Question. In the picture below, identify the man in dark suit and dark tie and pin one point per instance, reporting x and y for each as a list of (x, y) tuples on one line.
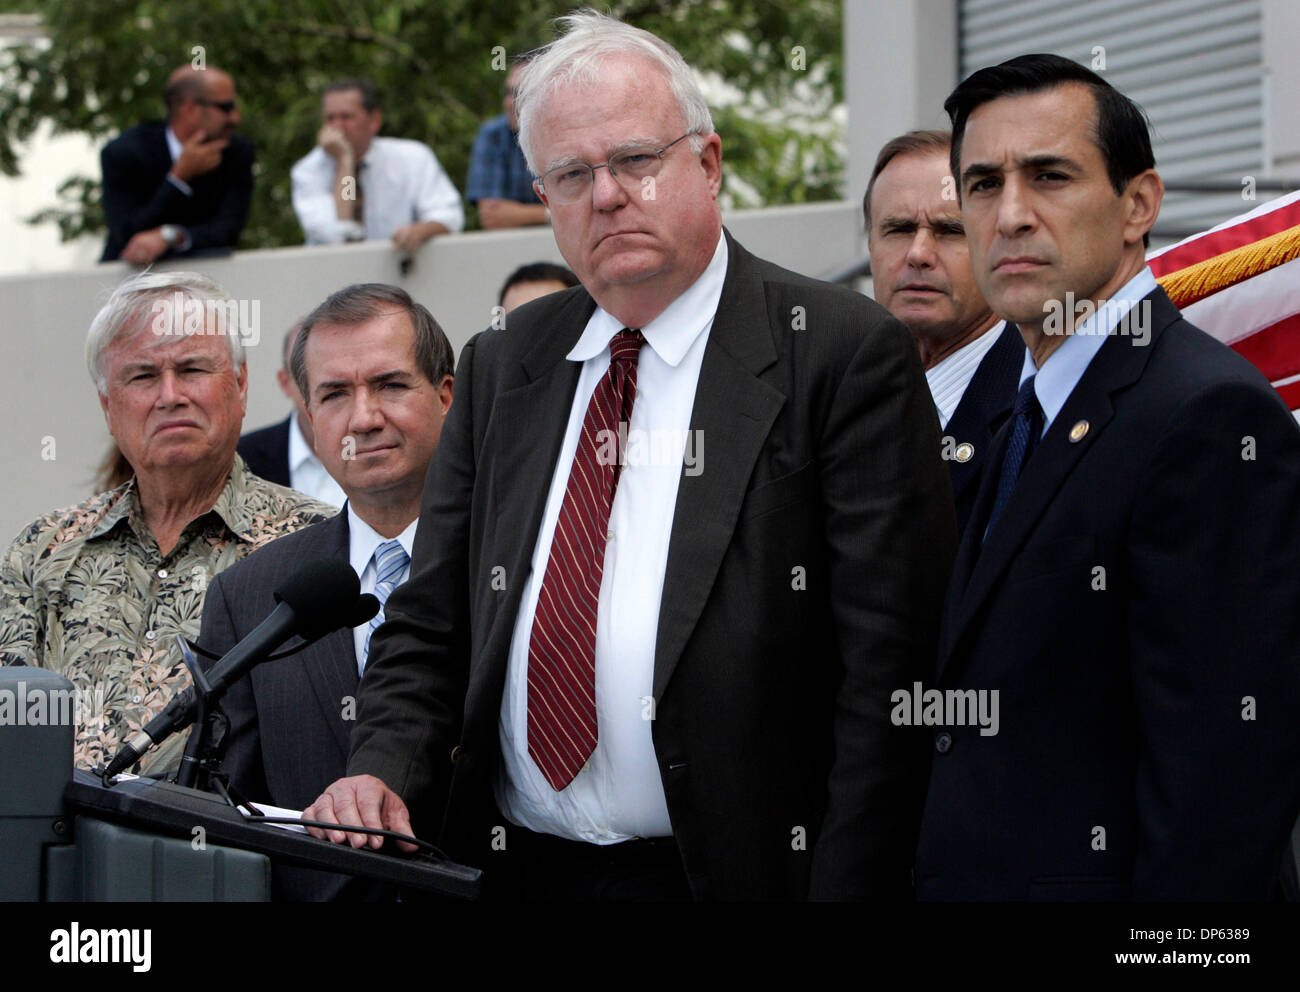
[(686, 528), (1124, 603), (921, 270), (376, 369), (184, 184)]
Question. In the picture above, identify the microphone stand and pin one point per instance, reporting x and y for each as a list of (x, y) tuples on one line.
[(207, 742)]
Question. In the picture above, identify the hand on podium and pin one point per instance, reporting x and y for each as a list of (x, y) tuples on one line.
[(360, 801)]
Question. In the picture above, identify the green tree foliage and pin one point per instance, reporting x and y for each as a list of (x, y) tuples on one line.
[(773, 71)]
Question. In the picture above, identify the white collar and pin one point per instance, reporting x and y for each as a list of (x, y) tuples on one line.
[(364, 539), (672, 333)]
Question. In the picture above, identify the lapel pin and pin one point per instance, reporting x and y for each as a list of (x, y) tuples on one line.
[(1079, 431), (965, 451)]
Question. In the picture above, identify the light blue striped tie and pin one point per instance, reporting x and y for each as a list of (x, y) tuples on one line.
[(390, 560)]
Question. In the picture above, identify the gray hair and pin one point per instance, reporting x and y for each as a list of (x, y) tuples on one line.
[(142, 297), (576, 57)]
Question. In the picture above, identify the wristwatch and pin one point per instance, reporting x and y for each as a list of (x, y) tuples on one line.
[(172, 234)]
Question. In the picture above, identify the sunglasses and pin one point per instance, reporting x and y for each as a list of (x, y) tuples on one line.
[(225, 106)]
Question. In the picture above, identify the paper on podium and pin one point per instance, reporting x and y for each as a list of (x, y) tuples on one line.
[(246, 813), (266, 810)]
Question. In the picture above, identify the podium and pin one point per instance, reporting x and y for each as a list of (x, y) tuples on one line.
[(67, 837)]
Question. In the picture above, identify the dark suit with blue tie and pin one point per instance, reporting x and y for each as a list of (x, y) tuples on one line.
[(1136, 606)]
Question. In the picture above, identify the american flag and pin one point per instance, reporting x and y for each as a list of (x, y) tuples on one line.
[(1240, 281)]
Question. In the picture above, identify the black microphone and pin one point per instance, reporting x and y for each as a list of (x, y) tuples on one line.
[(319, 597)]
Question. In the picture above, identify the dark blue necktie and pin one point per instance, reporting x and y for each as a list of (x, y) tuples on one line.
[(1025, 431)]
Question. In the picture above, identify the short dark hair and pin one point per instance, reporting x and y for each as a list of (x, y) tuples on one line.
[(911, 143), (1123, 132), (537, 272), (369, 93), (361, 302)]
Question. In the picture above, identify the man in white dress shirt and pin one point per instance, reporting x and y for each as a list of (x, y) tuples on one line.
[(375, 369), (922, 273), (657, 668), (356, 186)]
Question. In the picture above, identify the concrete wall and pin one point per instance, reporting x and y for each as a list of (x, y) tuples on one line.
[(54, 431), (900, 62)]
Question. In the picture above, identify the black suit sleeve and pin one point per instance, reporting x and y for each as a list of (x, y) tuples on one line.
[(218, 633), (413, 694), (130, 205), (1216, 650), (891, 534), (236, 176)]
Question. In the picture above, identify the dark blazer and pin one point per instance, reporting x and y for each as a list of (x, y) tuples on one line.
[(266, 452), (289, 722), (782, 772), (138, 197), (984, 407), (1136, 608)]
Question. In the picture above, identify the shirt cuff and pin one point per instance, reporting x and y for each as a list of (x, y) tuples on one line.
[(184, 187)]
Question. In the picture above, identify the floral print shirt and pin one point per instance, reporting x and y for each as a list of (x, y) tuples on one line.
[(86, 592)]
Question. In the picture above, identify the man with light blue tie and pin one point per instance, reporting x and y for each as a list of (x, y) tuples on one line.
[(375, 370)]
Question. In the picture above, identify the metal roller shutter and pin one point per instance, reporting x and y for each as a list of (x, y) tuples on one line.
[(1195, 66)]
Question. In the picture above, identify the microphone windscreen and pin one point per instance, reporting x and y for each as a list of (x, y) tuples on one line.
[(320, 593), (363, 610)]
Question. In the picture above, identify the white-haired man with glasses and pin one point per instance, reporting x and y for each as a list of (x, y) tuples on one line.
[(99, 591), (630, 669)]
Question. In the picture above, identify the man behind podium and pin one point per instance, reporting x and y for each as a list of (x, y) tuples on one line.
[(686, 527), (375, 369)]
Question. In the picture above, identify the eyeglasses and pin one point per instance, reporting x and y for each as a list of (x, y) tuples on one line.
[(570, 183), (225, 106)]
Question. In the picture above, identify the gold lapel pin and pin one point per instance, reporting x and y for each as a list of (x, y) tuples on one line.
[(1079, 431), (965, 452)]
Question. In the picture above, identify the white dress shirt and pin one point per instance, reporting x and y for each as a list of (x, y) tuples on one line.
[(174, 149), (306, 473), (949, 378), (401, 183), (618, 795), (362, 541)]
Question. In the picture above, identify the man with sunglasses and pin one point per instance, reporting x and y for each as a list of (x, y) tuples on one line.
[(686, 529), (182, 185)]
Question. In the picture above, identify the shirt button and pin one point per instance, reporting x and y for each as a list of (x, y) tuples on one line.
[(135, 699), (162, 573), (943, 742), (149, 635)]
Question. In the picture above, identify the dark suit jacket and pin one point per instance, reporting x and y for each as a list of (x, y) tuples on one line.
[(266, 452), (984, 407), (288, 733), (138, 197), (772, 715), (1148, 743)]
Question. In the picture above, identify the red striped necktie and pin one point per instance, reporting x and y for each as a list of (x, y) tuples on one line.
[(562, 649)]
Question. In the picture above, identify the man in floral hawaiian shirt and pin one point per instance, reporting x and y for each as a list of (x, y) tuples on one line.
[(99, 591)]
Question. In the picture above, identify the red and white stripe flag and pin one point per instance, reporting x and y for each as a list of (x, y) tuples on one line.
[(1240, 282)]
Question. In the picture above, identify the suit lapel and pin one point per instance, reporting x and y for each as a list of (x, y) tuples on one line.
[(734, 410), (1117, 365), (986, 404), (529, 418), (330, 665)]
